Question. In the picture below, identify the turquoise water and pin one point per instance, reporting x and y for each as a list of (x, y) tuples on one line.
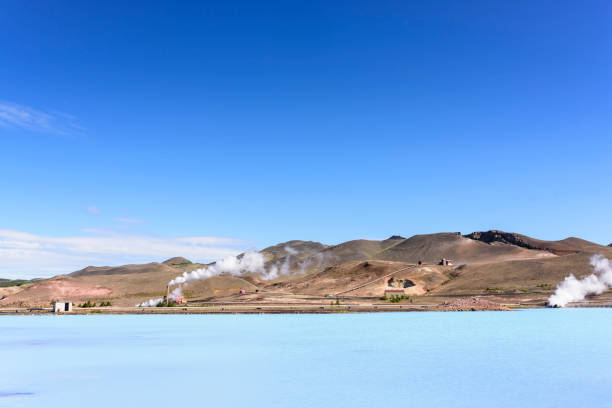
[(534, 358)]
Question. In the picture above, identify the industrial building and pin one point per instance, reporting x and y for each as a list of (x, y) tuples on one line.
[(62, 307)]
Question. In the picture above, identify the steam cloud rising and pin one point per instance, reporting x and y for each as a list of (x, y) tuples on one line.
[(250, 262), (574, 290)]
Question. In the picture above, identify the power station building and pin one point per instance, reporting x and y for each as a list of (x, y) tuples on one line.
[(62, 307)]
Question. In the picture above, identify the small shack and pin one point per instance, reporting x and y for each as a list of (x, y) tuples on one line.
[(62, 307), (446, 262)]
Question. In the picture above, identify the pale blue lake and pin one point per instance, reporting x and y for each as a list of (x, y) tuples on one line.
[(533, 358)]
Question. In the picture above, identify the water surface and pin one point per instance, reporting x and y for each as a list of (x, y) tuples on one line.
[(533, 358)]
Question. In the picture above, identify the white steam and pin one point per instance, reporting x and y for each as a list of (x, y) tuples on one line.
[(150, 303), (174, 295), (317, 260), (574, 290), (250, 262)]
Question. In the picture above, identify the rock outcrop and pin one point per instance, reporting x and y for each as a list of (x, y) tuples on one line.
[(501, 236)]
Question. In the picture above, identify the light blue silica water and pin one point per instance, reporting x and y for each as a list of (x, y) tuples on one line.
[(531, 358)]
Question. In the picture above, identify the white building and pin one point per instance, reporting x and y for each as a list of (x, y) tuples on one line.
[(62, 307)]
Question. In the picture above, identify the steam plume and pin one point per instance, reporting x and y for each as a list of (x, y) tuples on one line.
[(150, 303), (574, 290), (250, 262)]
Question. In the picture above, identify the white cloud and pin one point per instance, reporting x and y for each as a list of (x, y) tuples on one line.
[(23, 117), (93, 210), (29, 255)]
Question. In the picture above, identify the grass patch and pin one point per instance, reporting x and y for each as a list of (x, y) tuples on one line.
[(16, 282), (166, 304), (182, 263), (394, 298), (397, 299)]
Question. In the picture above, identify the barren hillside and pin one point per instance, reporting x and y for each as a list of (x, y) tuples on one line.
[(433, 247), (484, 263)]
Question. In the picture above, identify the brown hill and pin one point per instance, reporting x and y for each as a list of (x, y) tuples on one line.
[(433, 247), (122, 285), (565, 246), (299, 249), (177, 260), (517, 277), (492, 262), (217, 286), (293, 255), (350, 251), (122, 270), (368, 278)]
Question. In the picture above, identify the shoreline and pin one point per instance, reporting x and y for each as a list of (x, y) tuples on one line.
[(253, 309)]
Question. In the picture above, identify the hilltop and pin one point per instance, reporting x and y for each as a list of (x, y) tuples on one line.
[(496, 264)]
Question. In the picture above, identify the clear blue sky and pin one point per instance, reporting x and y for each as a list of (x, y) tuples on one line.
[(328, 121)]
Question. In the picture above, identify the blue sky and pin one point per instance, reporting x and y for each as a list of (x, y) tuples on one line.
[(209, 128)]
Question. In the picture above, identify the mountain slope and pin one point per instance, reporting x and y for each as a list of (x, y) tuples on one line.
[(516, 277), (366, 278), (565, 246), (490, 262), (121, 270), (433, 247)]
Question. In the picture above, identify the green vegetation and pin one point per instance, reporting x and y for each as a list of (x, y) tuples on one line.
[(394, 298), (87, 304), (164, 303), (96, 311), (17, 282), (107, 303), (398, 298), (546, 286), (182, 263), (452, 274), (495, 289)]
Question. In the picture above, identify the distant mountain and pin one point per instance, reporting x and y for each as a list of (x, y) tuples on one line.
[(432, 248), (177, 260), (296, 248), (120, 270), (483, 263), (292, 255)]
